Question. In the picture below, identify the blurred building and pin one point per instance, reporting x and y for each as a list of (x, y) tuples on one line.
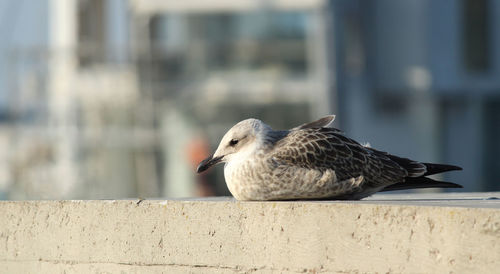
[(422, 79), (70, 102), (107, 99), (217, 62), (120, 98)]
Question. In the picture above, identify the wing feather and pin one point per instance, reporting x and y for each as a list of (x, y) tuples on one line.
[(326, 149), (323, 122)]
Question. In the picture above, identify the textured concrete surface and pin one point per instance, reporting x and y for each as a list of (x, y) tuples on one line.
[(423, 233)]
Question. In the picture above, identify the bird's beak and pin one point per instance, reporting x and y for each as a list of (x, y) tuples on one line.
[(207, 163)]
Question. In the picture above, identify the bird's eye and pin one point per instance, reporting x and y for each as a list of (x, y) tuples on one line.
[(233, 142)]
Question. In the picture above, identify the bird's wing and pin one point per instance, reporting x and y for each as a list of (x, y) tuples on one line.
[(323, 122), (326, 149)]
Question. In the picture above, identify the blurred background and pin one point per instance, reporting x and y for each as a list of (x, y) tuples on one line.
[(123, 98)]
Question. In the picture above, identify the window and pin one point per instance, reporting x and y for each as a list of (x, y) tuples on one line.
[(476, 35), (91, 32)]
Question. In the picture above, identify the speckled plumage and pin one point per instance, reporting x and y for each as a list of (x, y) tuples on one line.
[(310, 162)]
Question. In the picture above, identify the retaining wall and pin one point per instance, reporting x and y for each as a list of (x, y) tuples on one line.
[(457, 233)]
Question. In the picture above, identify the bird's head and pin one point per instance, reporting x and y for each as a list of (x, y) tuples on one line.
[(241, 138)]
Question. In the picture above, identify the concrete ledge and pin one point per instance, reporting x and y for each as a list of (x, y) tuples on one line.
[(384, 234)]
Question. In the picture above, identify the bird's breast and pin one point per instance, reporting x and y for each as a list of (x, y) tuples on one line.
[(246, 179)]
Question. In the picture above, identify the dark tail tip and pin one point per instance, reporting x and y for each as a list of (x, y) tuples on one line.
[(421, 182), (439, 168)]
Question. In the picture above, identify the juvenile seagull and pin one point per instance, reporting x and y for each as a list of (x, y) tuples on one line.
[(312, 161)]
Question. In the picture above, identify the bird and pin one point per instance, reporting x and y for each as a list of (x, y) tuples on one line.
[(312, 162)]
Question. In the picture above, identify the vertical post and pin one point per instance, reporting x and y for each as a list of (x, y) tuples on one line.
[(61, 65), (319, 50)]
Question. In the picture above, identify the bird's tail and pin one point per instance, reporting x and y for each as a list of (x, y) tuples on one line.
[(439, 168), (417, 173), (420, 182)]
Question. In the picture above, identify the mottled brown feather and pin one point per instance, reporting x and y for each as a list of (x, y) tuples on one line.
[(327, 149)]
